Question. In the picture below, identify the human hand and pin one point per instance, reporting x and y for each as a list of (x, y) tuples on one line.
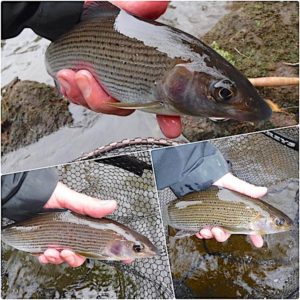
[(81, 87), (150, 10), (64, 197), (231, 182)]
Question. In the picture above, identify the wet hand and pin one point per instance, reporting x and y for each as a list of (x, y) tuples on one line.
[(64, 197), (231, 182), (81, 88)]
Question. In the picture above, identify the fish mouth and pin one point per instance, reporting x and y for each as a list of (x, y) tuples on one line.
[(289, 226), (284, 229), (150, 251), (262, 113)]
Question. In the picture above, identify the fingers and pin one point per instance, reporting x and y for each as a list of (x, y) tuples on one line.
[(53, 256), (128, 261), (82, 88), (221, 236), (72, 259), (206, 233), (231, 182), (69, 88), (170, 125), (95, 96), (64, 197), (143, 9), (218, 233), (257, 240), (86, 205)]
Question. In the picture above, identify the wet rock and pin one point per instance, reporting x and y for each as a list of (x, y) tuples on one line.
[(30, 110)]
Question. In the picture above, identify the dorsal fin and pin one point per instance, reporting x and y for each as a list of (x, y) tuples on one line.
[(98, 9)]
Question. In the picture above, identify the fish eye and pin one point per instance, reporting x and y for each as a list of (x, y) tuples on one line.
[(279, 221), (138, 248), (225, 93), (223, 90)]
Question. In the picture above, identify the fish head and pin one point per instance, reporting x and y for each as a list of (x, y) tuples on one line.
[(280, 222), (201, 90), (272, 222), (122, 249)]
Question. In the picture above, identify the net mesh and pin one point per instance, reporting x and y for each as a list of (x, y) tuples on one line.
[(129, 146), (260, 159)]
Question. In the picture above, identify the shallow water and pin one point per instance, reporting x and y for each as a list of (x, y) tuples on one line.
[(32, 280), (23, 56)]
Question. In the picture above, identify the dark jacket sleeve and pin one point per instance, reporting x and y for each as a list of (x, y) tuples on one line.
[(48, 19), (187, 168), (24, 194)]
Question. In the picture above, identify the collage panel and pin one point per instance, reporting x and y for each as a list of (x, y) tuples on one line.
[(203, 204), (213, 98), (150, 149), (138, 234)]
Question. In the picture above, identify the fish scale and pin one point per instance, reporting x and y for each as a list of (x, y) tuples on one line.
[(19, 239), (101, 51)]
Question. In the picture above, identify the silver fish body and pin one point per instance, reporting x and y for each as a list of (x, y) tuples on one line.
[(102, 239), (236, 213), (157, 68)]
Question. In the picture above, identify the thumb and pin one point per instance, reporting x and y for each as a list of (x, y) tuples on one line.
[(170, 125), (64, 197), (69, 88), (95, 96), (233, 183), (144, 9)]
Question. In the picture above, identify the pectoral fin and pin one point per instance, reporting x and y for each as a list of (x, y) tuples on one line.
[(151, 105), (183, 233), (36, 254), (91, 255), (237, 230)]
